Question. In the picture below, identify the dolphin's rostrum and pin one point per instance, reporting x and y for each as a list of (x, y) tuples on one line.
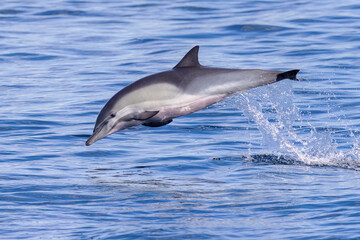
[(157, 99)]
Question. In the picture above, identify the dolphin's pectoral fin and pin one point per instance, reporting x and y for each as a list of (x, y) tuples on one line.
[(145, 115), (157, 124)]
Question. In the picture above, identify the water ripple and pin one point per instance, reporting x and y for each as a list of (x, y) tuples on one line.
[(254, 28), (10, 11), (64, 12)]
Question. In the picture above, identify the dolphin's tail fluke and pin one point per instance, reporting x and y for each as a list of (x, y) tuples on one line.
[(288, 75)]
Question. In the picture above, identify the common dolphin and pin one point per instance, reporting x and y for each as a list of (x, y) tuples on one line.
[(157, 99)]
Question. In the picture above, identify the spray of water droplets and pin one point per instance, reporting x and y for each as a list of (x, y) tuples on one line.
[(289, 133)]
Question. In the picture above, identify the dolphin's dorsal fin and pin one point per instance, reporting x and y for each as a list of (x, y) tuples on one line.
[(190, 59)]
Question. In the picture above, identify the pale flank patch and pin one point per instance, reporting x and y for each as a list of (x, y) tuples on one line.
[(152, 93)]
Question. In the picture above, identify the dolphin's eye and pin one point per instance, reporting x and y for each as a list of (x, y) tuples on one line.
[(113, 115)]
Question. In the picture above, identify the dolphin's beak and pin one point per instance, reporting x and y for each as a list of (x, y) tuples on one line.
[(98, 134), (91, 140), (102, 131)]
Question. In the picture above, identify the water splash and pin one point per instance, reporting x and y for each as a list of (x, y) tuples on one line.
[(289, 136)]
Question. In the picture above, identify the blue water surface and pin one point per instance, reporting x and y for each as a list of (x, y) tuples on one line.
[(276, 162)]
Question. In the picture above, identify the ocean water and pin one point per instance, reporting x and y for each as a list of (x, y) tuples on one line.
[(276, 162)]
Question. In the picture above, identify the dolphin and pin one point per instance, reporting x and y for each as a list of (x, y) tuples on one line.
[(156, 100)]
